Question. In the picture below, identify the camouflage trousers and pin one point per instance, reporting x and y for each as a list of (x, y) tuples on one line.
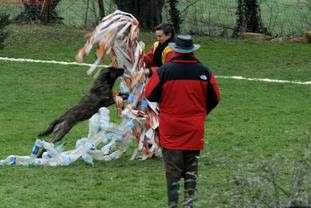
[(181, 164)]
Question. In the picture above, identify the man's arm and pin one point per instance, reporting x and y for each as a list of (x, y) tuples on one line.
[(153, 87), (213, 94), (148, 58), (167, 55)]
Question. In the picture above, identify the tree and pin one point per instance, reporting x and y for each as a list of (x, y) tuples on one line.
[(174, 14), (248, 18), (148, 14), (4, 21), (39, 10), (101, 8)]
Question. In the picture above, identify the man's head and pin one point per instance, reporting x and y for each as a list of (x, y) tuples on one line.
[(164, 32), (184, 44)]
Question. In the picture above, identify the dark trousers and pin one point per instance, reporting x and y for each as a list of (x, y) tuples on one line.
[(181, 164)]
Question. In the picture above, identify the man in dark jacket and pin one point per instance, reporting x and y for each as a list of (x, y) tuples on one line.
[(186, 91), (160, 52)]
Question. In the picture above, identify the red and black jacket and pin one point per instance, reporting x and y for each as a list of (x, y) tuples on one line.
[(186, 91), (158, 55)]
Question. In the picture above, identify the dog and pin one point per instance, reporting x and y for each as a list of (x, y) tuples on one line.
[(100, 95)]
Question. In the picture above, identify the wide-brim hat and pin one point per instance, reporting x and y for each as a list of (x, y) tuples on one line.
[(184, 44)]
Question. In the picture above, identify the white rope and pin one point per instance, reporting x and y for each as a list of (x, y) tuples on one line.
[(92, 65), (265, 80), (48, 62)]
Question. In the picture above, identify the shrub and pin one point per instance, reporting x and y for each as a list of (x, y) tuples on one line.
[(4, 21)]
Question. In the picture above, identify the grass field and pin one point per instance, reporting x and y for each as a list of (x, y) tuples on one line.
[(256, 123)]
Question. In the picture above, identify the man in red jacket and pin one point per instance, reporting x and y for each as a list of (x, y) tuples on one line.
[(159, 53), (186, 91)]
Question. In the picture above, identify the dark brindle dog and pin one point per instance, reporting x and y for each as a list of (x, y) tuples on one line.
[(100, 95)]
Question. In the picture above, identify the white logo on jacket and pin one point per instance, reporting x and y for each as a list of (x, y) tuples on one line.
[(203, 77)]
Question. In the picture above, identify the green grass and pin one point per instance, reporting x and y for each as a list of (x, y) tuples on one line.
[(255, 122)]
